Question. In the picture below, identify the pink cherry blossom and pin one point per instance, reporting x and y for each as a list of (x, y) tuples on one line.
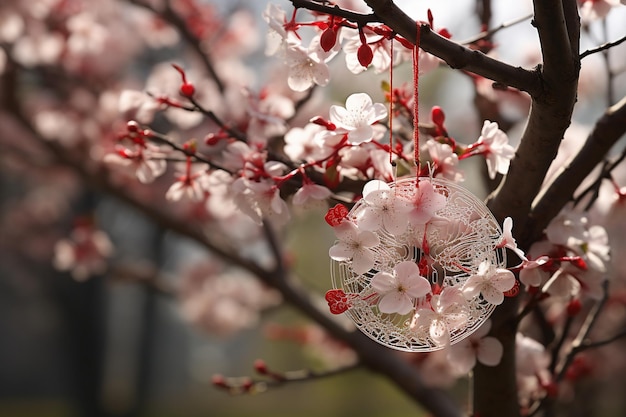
[(189, 183), (494, 144), (87, 36), (307, 67), (147, 163), (238, 154), (448, 312), (268, 113), (223, 302), (531, 366), (570, 282), (399, 289), (489, 281), (39, 49), (356, 245), (562, 284), (508, 241), (358, 116), (596, 9), (277, 36), (445, 160), (305, 143), (138, 105), (383, 208), (84, 253), (568, 228), (532, 274), (572, 229), (425, 204), (310, 192), (595, 249), (260, 201), (380, 49), (477, 347)]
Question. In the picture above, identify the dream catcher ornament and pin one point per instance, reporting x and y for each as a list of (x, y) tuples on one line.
[(418, 265)]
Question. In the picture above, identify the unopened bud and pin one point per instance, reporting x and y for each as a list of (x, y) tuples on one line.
[(219, 381), (212, 139), (187, 90), (260, 366), (580, 263), (132, 126), (438, 116), (328, 39), (247, 384), (365, 55), (574, 307)]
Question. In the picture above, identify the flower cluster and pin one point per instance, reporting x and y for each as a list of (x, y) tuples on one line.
[(363, 46), (387, 220), (223, 302), (84, 253), (573, 260)]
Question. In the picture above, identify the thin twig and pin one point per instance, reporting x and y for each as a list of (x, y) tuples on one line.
[(603, 47), (601, 343), (247, 385), (491, 32), (170, 16), (359, 18), (583, 333), (160, 138)]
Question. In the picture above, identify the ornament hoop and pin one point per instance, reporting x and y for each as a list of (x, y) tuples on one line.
[(460, 238)]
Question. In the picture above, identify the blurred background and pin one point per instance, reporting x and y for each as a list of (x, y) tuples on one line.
[(113, 348)]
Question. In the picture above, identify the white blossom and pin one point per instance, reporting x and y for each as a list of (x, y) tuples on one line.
[(358, 116)]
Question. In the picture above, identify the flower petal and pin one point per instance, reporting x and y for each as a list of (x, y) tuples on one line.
[(489, 351), (362, 261), (395, 302), (384, 282)]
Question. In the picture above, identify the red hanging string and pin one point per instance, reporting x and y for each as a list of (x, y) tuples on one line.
[(416, 70), (391, 103)]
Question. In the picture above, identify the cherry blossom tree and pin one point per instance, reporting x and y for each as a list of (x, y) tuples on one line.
[(177, 109)]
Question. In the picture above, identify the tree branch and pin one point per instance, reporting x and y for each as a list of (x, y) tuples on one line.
[(603, 47), (551, 111), (455, 55), (171, 17), (607, 131), (374, 356), (549, 117), (489, 33), (358, 18)]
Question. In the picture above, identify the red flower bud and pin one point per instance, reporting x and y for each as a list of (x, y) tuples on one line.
[(212, 139), (438, 117), (580, 263), (260, 366), (132, 126), (219, 381), (365, 55), (187, 90), (328, 39), (573, 307), (552, 389)]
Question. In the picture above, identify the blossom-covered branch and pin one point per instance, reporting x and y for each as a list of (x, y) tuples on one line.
[(454, 54), (273, 379)]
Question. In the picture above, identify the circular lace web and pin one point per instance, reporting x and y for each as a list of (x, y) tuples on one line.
[(448, 248)]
